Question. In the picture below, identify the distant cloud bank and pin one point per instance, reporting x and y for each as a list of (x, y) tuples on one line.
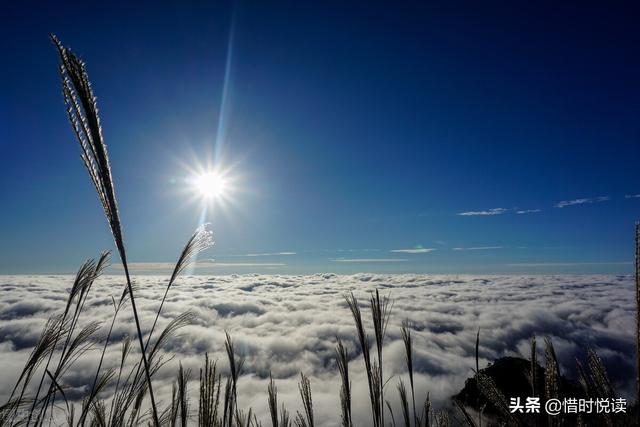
[(413, 251), (267, 254), (478, 248)]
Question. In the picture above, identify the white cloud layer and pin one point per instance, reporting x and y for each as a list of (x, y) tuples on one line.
[(289, 324)]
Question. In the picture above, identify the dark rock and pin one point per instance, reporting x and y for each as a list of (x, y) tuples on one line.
[(511, 376)]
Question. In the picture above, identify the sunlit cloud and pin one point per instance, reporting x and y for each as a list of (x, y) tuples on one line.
[(478, 248), (494, 211), (413, 251), (528, 211), (582, 201)]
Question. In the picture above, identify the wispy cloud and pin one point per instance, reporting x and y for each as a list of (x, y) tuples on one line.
[(494, 211), (167, 266), (478, 248), (632, 196), (146, 266), (413, 251), (368, 260), (582, 201), (528, 211), (267, 254), (566, 264), (240, 264)]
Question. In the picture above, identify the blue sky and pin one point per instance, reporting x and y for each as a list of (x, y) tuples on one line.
[(352, 133)]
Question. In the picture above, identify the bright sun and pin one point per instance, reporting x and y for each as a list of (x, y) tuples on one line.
[(211, 185)]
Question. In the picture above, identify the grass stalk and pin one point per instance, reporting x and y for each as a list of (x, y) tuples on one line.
[(272, 394), (83, 114), (83, 275), (209, 394), (363, 339), (380, 313), (307, 403), (404, 403), (87, 274), (126, 347), (408, 352), (342, 360), (393, 418), (183, 394), (200, 240), (235, 368)]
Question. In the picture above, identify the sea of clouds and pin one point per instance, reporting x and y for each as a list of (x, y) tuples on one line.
[(285, 325)]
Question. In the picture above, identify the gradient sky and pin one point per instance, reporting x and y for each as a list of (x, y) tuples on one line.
[(491, 137)]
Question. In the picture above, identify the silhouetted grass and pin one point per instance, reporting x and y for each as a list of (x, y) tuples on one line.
[(83, 115), (342, 361)]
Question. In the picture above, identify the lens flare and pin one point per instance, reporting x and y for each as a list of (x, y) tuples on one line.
[(211, 185)]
